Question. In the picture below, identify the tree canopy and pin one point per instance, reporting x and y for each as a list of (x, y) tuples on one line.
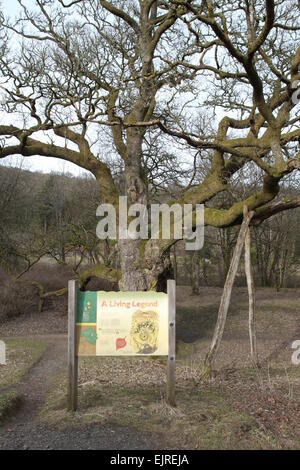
[(199, 93)]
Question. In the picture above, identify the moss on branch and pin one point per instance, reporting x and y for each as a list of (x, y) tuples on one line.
[(101, 272)]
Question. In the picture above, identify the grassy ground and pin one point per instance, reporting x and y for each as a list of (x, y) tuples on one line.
[(9, 401), (21, 355), (238, 408), (131, 393)]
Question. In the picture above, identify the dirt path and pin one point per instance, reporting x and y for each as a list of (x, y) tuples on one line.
[(23, 430)]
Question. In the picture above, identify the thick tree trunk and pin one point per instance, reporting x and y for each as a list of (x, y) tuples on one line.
[(225, 299), (131, 255), (142, 266), (141, 263), (251, 295), (133, 276)]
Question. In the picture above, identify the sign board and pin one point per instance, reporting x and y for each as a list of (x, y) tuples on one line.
[(122, 324)]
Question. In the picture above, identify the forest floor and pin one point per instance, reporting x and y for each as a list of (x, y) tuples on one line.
[(122, 401)]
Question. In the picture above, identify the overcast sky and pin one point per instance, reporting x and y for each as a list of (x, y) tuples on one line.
[(10, 6), (44, 164)]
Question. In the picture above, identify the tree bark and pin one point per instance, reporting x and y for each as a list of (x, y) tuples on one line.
[(225, 299), (204, 271), (251, 295), (175, 262), (143, 267), (196, 272)]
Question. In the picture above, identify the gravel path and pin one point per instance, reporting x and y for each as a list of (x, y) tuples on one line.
[(23, 432), (30, 436)]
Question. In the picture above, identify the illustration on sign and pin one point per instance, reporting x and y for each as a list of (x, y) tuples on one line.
[(122, 323), (144, 332)]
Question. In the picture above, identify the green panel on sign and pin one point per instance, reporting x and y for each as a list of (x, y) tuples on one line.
[(90, 335), (86, 307)]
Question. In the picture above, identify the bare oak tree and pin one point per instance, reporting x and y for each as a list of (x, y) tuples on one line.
[(214, 82)]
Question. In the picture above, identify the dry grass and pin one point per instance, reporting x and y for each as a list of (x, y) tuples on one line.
[(239, 408), (21, 355), (9, 401), (131, 393)]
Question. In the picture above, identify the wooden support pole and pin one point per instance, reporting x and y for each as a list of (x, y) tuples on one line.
[(226, 295), (251, 295), (172, 343), (72, 357)]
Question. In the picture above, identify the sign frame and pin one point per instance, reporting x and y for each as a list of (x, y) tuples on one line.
[(73, 357)]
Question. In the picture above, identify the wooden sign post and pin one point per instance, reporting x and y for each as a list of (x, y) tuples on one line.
[(172, 343), (2, 353), (72, 353), (120, 324)]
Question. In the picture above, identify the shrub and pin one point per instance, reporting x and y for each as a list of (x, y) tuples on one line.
[(16, 297)]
